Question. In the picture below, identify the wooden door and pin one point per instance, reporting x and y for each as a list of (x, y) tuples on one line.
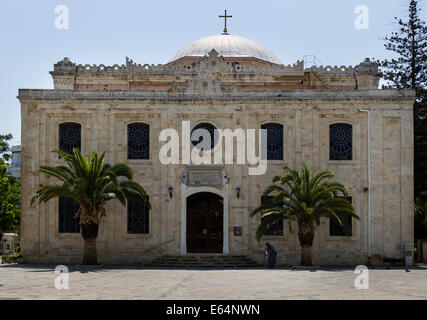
[(204, 223)]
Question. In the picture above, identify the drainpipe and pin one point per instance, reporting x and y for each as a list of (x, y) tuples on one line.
[(369, 180)]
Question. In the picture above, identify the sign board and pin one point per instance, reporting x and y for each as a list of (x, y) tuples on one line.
[(205, 177), (199, 176), (237, 231)]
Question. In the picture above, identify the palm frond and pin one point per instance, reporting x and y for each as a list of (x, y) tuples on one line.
[(49, 191), (90, 182), (268, 219), (122, 170), (57, 172), (304, 196)]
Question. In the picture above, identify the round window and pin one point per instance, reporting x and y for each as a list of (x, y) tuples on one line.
[(204, 131)]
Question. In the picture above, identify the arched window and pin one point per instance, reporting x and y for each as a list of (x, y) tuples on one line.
[(275, 229), (138, 141), (274, 140), (67, 211), (138, 217), (213, 132), (340, 141), (335, 229), (70, 135)]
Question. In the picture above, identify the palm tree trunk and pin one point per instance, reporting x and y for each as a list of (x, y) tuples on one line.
[(306, 235), (89, 234), (306, 255)]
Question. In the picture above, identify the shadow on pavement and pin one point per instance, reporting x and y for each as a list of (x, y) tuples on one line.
[(100, 268)]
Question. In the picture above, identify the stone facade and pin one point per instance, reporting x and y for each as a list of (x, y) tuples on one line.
[(228, 93)]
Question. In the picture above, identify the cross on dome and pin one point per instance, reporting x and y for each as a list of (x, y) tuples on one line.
[(225, 21)]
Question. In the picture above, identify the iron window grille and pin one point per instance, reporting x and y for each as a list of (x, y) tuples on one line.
[(274, 140), (138, 141)]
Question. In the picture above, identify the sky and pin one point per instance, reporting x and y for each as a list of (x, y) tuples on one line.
[(105, 32)]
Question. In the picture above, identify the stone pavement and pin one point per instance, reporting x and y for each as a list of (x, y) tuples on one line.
[(101, 282)]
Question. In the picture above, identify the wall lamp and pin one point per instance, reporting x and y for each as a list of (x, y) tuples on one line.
[(170, 189), (238, 192)]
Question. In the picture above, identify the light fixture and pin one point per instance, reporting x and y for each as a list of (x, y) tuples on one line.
[(170, 189), (238, 192)]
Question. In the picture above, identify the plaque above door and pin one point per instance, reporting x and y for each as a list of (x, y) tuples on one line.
[(204, 176)]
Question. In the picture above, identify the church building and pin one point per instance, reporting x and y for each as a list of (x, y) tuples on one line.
[(329, 118)]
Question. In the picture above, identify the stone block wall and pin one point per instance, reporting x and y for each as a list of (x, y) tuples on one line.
[(306, 117)]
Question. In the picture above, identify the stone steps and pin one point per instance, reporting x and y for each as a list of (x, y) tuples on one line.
[(204, 262)]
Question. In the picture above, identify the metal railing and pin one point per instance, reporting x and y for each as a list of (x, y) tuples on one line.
[(311, 60), (158, 246), (258, 250)]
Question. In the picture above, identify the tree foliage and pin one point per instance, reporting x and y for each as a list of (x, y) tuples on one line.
[(409, 42), (304, 197), (9, 201), (421, 214), (91, 183), (5, 147), (408, 70)]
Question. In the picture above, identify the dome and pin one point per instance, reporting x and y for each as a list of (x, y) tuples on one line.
[(228, 46)]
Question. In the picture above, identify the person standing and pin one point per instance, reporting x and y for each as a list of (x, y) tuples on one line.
[(271, 253)]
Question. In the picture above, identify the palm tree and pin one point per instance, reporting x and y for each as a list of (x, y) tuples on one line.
[(421, 210), (90, 183), (421, 205), (305, 197)]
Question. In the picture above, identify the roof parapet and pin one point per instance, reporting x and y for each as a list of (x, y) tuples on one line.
[(367, 66), (64, 66)]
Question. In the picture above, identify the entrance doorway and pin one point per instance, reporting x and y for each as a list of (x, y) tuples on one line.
[(205, 215)]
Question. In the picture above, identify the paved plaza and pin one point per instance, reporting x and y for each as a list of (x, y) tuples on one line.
[(38, 282)]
